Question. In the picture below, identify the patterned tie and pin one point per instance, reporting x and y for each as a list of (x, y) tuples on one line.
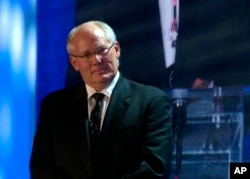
[(95, 117)]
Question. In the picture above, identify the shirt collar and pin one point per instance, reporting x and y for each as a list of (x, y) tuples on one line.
[(107, 91)]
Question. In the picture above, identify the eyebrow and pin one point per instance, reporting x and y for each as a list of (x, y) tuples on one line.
[(98, 47)]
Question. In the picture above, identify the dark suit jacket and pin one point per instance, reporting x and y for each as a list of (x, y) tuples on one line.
[(136, 136)]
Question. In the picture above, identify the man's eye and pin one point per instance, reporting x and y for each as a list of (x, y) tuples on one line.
[(87, 55), (101, 50)]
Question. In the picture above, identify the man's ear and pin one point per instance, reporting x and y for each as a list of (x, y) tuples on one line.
[(73, 62), (118, 54), (118, 49)]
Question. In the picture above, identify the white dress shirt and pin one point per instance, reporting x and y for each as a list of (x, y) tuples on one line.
[(107, 92)]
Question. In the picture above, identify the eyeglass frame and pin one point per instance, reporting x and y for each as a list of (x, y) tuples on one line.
[(87, 56)]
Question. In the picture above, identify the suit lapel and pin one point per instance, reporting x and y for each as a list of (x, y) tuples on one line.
[(119, 102)]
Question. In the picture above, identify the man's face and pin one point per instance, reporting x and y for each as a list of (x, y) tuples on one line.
[(95, 57)]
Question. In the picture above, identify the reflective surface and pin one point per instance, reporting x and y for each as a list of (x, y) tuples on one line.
[(212, 133)]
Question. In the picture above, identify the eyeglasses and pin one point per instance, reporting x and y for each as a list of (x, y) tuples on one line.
[(101, 52)]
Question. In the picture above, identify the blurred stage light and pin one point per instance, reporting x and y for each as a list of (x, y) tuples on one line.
[(17, 86)]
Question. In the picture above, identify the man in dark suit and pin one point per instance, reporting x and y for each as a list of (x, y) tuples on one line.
[(134, 136)]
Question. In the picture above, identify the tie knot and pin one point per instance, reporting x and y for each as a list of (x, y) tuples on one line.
[(98, 96)]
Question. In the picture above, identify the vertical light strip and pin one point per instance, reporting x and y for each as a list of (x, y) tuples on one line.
[(166, 13), (17, 87)]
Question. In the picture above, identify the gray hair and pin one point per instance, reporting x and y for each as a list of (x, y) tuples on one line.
[(109, 32)]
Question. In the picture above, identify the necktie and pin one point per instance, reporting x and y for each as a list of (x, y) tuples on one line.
[(95, 117), (94, 125)]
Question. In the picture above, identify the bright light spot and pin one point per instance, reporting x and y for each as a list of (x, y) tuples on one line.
[(4, 24), (16, 38)]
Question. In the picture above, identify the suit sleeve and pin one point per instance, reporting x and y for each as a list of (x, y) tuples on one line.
[(158, 141), (42, 160)]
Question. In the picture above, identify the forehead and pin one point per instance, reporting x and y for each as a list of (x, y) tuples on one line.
[(89, 33), (88, 37), (99, 33)]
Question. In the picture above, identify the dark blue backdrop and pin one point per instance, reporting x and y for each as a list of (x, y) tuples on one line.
[(54, 20)]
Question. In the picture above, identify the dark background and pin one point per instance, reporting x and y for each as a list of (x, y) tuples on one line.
[(213, 40)]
